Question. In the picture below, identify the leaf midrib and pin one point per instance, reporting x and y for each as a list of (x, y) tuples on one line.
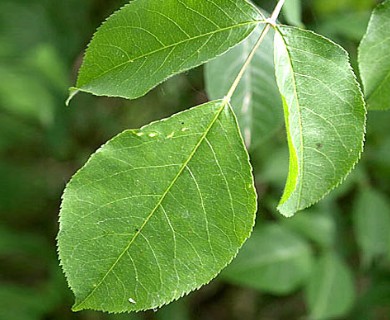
[(80, 86), (182, 168)]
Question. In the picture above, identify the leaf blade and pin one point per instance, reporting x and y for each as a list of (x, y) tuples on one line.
[(256, 99), (373, 61), (173, 36), (143, 228), (324, 112)]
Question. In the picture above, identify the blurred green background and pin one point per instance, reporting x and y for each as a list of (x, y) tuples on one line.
[(331, 261)]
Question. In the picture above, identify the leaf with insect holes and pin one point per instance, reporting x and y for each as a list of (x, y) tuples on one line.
[(256, 101), (324, 113), (374, 59), (148, 41), (157, 212)]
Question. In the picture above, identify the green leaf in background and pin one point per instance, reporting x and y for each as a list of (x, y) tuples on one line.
[(22, 94), (374, 62), (324, 113), (23, 303), (148, 41), (350, 25), (330, 292), (317, 225), (274, 259), (256, 101), (292, 11), (141, 224), (372, 224)]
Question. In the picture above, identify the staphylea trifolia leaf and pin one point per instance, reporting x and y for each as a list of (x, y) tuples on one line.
[(256, 101), (374, 58), (324, 114), (148, 41), (157, 212)]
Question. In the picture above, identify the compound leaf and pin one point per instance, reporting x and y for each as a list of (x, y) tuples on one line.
[(148, 41), (374, 61), (324, 113), (141, 223), (256, 101)]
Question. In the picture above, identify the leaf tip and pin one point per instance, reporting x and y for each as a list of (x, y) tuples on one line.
[(72, 92), (285, 211)]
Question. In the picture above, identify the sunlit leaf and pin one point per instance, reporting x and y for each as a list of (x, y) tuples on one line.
[(148, 41), (324, 114), (256, 101), (374, 61), (157, 212), (274, 259)]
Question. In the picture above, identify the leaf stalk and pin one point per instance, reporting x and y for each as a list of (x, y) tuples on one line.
[(270, 22)]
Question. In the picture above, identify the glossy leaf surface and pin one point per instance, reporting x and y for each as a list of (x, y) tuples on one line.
[(274, 260), (374, 58), (324, 114), (256, 101), (157, 212), (148, 41)]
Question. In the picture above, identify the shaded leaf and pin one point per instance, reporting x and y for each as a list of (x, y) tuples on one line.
[(141, 224), (25, 95), (256, 101), (324, 114), (292, 11), (23, 303), (148, 41), (372, 224), (317, 225), (374, 62), (345, 25), (274, 259), (330, 292)]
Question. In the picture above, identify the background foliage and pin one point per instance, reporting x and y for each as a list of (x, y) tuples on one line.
[(330, 261)]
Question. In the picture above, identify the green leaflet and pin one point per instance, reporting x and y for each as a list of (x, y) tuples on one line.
[(292, 11), (157, 212), (330, 291), (274, 259), (374, 62), (324, 112), (148, 41), (256, 101), (371, 216)]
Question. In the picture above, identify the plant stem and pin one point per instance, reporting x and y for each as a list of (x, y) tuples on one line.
[(270, 22)]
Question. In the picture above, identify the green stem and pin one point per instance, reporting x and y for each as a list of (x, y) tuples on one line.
[(270, 23)]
